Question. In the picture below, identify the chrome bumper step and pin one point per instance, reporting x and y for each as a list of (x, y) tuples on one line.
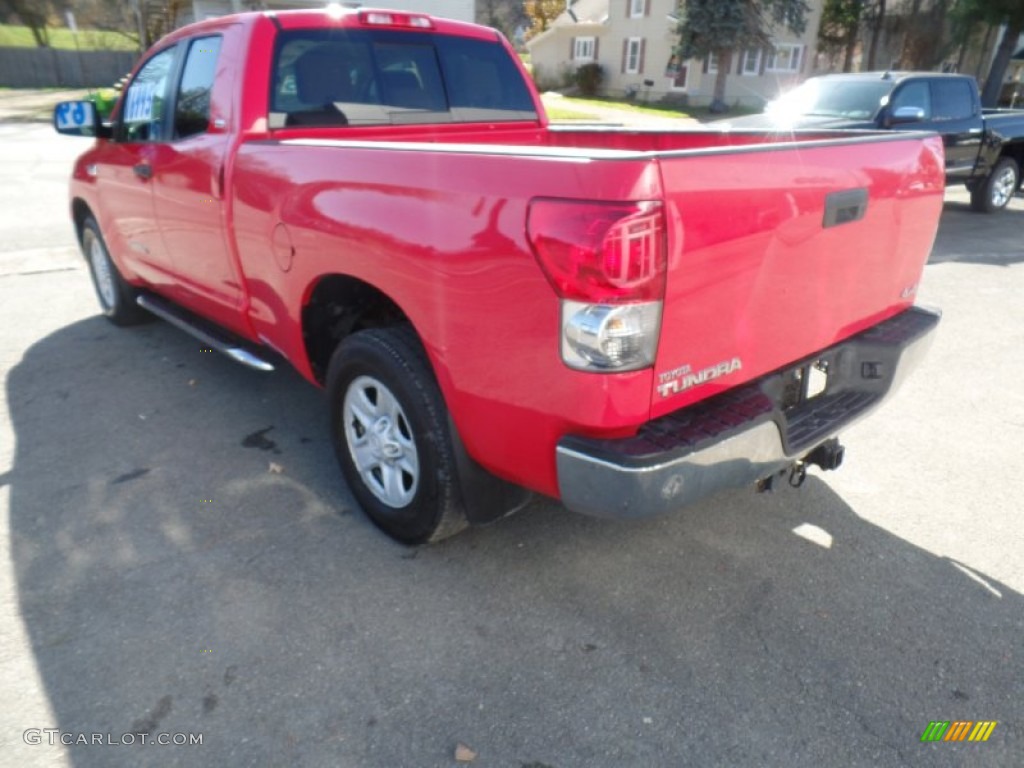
[(213, 336)]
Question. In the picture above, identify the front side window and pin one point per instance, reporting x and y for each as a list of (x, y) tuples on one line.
[(143, 116), (361, 77), (913, 94), (637, 8), (583, 49), (192, 106)]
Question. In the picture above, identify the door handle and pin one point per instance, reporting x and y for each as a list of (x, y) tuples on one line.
[(143, 170)]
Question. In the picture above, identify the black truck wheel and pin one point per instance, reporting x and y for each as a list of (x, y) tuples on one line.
[(998, 188), (116, 297), (389, 426)]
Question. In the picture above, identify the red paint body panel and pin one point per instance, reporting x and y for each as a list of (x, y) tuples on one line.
[(434, 216)]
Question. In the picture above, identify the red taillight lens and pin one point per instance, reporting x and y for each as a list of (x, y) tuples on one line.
[(608, 253)]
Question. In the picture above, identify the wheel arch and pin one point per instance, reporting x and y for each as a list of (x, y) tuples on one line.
[(1015, 152), (337, 305), (80, 211)]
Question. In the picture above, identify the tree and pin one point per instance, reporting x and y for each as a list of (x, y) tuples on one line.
[(875, 17), (34, 15), (998, 13), (541, 13), (926, 42), (839, 28), (504, 15), (142, 21), (723, 27)]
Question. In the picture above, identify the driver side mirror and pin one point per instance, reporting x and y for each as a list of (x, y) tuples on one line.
[(78, 118), (906, 115)]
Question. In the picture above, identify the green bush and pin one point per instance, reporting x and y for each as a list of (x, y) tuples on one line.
[(589, 78), (104, 99)]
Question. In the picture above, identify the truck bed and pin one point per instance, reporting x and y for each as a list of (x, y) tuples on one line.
[(777, 248)]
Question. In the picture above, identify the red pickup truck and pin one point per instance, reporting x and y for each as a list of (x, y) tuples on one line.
[(625, 320)]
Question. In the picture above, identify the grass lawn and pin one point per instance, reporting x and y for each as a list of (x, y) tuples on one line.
[(88, 39), (557, 113), (697, 113), (626, 106)]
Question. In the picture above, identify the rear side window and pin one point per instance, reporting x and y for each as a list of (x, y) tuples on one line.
[(363, 77), (952, 99), (192, 107)]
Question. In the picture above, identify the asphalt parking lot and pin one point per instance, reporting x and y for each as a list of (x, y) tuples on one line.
[(157, 576)]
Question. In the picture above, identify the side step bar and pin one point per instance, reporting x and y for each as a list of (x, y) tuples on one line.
[(217, 338)]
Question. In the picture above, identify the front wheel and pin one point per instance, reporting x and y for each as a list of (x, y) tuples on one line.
[(389, 426), (998, 188), (116, 297)]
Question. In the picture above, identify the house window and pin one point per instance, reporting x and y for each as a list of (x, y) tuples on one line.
[(637, 8), (583, 49), (785, 58), (633, 55), (712, 62), (677, 71), (679, 82), (752, 61)]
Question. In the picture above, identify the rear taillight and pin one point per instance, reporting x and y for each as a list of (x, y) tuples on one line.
[(607, 262), (600, 252)]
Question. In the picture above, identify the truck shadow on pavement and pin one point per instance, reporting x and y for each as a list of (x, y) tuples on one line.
[(177, 575), (976, 238)]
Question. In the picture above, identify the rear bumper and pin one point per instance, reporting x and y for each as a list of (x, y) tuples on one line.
[(743, 435)]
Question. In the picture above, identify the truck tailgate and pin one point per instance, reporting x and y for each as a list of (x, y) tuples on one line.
[(778, 252)]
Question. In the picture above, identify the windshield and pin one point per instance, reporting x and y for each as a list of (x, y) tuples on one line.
[(840, 97), (360, 77)]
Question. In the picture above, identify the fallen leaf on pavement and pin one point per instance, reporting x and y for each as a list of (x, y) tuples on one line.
[(464, 754), (275, 468)]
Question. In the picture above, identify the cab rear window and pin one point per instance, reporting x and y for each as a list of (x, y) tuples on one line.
[(362, 77)]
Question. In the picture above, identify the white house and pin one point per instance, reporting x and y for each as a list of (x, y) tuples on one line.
[(633, 41)]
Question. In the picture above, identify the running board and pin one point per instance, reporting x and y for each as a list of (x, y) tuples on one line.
[(206, 332)]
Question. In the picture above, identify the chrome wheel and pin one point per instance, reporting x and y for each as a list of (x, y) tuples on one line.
[(102, 272), (1003, 186), (380, 441)]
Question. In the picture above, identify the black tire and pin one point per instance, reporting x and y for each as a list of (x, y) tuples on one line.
[(116, 297), (387, 413), (998, 188)]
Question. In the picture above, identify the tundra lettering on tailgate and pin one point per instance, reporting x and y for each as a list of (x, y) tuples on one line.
[(681, 379)]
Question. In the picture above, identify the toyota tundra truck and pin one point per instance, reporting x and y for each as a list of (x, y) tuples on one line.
[(625, 320)]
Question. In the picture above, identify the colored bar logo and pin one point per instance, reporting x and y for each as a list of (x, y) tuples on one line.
[(958, 730)]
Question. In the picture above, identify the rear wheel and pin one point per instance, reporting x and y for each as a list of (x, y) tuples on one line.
[(389, 426), (116, 297), (998, 188)]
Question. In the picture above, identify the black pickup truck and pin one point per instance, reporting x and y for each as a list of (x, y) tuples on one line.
[(984, 147)]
